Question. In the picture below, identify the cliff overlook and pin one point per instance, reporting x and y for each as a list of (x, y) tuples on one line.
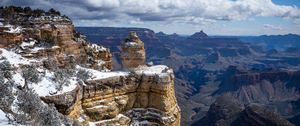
[(51, 75)]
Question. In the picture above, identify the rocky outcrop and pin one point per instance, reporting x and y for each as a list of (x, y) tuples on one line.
[(146, 96), (133, 52), (51, 36), (143, 96), (199, 35), (9, 38)]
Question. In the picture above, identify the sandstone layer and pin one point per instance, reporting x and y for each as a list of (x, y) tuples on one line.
[(133, 52), (145, 97)]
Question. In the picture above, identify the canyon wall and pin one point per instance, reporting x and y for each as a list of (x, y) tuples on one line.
[(146, 96)]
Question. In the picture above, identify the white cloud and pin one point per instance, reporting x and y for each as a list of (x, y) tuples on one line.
[(157, 10), (272, 27), (189, 11), (104, 3)]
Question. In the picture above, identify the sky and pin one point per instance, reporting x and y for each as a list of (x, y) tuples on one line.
[(215, 17)]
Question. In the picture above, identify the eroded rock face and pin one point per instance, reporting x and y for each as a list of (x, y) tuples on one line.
[(50, 38), (140, 98), (226, 111), (133, 52), (8, 39)]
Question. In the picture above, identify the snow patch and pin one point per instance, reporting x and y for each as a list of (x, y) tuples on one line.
[(31, 44), (47, 87), (153, 70), (132, 44), (15, 59), (12, 29), (119, 116), (97, 47), (3, 119), (36, 49), (18, 79), (96, 74)]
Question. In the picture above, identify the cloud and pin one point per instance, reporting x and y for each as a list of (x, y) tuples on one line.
[(272, 27), (189, 11)]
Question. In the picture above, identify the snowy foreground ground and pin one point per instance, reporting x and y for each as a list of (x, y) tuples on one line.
[(3, 119)]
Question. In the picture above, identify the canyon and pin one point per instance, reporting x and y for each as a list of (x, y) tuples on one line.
[(112, 76), (208, 67)]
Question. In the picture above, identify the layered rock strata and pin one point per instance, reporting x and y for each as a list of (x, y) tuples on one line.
[(145, 97), (133, 52), (51, 38)]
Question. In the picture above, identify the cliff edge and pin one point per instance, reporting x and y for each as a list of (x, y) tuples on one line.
[(51, 75)]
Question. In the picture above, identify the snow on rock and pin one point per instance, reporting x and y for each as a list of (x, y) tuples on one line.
[(12, 29), (96, 74), (18, 79), (132, 44), (31, 43), (157, 69), (36, 49), (15, 59), (97, 47), (69, 87), (48, 18), (47, 86), (143, 123), (3, 119), (118, 117), (54, 47), (100, 62)]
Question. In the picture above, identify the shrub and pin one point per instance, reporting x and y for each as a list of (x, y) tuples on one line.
[(1, 78), (48, 116), (6, 95), (132, 73), (54, 12), (71, 62), (83, 74), (50, 64), (5, 69), (30, 74), (50, 40), (61, 77), (5, 66), (28, 101), (37, 113)]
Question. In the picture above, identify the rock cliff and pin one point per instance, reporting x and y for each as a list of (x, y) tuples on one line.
[(145, 97), (75, 76), (53, 37)]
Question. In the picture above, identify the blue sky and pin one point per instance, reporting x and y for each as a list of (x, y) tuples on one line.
[(287, 2), (216, 17)]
